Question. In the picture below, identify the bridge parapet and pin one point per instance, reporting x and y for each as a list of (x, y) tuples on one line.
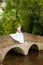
[(33, 38)]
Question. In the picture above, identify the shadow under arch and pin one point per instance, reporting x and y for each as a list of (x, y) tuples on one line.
[(33, 48), (33, 52), (14, 51)]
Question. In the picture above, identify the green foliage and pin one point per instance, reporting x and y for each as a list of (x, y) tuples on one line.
[(1, 29), (28, 12)]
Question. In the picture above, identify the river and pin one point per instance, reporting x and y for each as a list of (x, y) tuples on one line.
[(33, 58)]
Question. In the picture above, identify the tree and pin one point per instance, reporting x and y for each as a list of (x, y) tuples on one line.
[(28, 12), (35, 24), (1, 29)]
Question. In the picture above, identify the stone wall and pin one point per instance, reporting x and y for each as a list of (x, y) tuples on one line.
[(33, 38)]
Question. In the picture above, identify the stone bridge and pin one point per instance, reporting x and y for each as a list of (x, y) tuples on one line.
[(7, 43)]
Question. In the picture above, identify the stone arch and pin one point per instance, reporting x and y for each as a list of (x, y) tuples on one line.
[(17, 49), (34, 53), (34, 47)]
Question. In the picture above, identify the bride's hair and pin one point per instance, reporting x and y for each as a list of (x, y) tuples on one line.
[(19, 25)]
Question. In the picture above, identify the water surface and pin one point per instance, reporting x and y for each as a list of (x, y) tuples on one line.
[(33, 58)]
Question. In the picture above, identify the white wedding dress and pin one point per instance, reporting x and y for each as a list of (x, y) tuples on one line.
[(18, 36)]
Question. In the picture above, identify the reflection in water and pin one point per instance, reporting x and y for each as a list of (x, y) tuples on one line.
[(33, 58)]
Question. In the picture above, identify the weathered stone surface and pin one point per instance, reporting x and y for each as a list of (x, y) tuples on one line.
[(33, 38), (7, 43)]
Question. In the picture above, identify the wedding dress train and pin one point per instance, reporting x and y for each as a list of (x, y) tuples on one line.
[(18, 36)]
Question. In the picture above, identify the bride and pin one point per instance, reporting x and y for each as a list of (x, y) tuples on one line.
[(18, 35)]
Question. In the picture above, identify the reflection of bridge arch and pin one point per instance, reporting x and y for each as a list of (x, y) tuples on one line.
[(21, 48), (15, 49)]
